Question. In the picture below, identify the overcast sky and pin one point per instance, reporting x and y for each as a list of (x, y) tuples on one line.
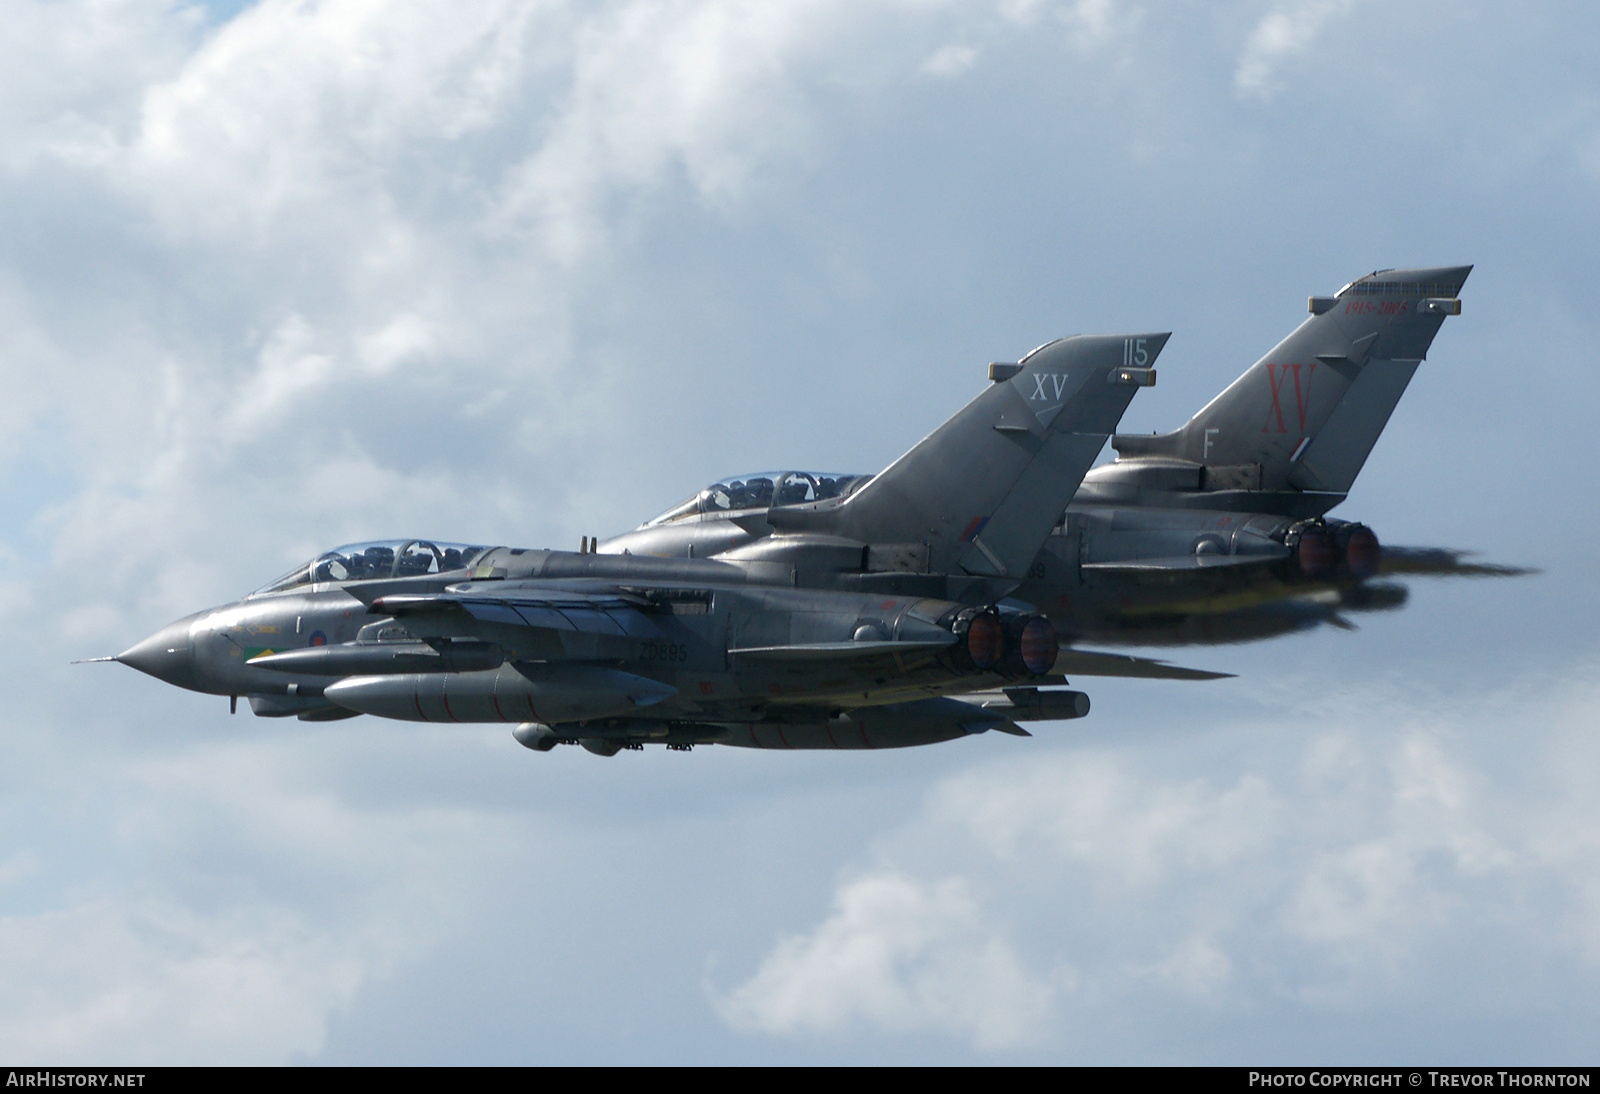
[(278, 276)]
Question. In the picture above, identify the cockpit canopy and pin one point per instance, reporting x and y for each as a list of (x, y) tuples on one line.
[(762, 490), (379, 558)]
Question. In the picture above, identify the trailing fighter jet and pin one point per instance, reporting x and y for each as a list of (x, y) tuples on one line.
[(1218, 531), (910, 645), (1214, 533)]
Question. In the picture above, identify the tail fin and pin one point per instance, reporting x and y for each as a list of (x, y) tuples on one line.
[(1305, 417), (984, 489)]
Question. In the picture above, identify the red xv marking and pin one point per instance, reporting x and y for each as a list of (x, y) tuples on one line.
[(1301, 399), (1302, 396), (1273, 380)]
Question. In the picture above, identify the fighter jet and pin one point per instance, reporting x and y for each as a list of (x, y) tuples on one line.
[(613, 651), (1214, 533), (1218, 531)]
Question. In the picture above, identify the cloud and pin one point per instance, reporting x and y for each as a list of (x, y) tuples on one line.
[(1028, 903), (656, 89), (109, 982), (339, 249), (1283, 34), (277, 904), (950, 61), (898, 954)]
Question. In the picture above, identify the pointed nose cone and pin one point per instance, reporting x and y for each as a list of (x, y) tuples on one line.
[(166, 656)]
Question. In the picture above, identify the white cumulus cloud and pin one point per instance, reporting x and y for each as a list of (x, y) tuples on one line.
[(1342, 867), (898, 954), (1283, 34)]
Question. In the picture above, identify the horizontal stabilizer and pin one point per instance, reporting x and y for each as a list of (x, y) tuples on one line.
[(1095, 663), (840, 651)]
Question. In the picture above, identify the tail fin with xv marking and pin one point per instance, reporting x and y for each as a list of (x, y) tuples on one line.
[(1303, 419), (981, 493)]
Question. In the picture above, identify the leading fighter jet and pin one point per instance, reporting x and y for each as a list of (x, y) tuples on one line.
[(613, 651)]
